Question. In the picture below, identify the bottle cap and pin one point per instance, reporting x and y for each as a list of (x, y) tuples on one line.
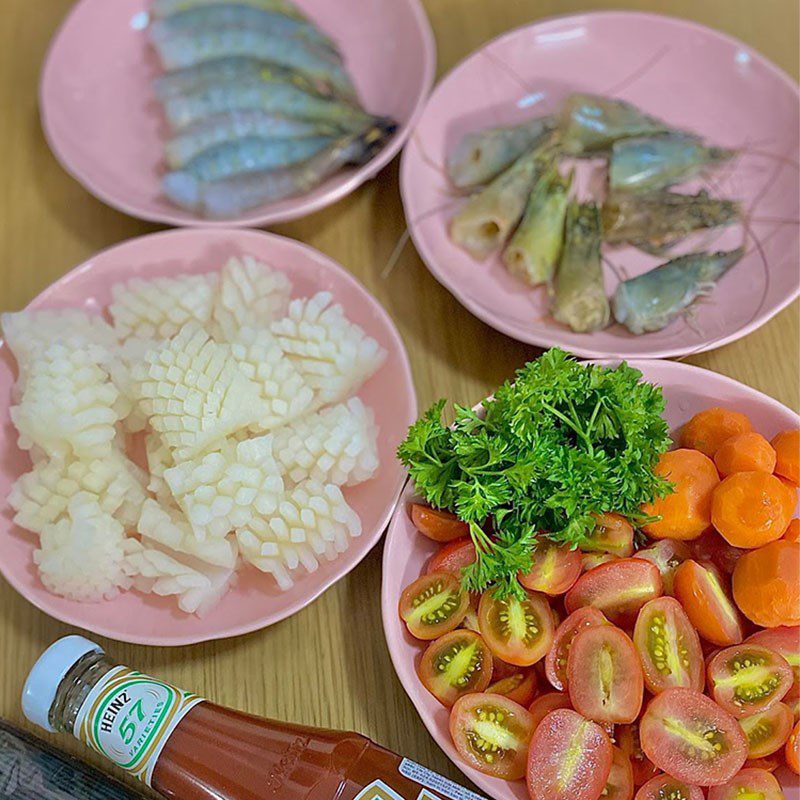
[(44, 679)]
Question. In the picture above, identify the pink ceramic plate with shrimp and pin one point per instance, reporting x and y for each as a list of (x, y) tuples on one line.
[(103, 123), (255, 602), (691, 77)]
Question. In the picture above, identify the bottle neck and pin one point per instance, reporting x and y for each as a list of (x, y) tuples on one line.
[(75, 688)]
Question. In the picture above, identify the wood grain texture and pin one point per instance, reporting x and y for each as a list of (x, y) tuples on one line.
[(328, 665)]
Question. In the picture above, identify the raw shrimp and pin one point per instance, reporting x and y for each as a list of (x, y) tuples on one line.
[(482, 155), (590, 123), (532, 253), (273, 98), (484, 223), (186, 50), (205, 133), (251, 154), (648, 163), (655, 222), (237, 15), (165, 8), (229, 197), (579, 297), (651, 301), (232, 70)]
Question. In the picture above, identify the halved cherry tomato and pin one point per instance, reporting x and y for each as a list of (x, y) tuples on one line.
[(767, 731), (664, 787), (685, 513), (689, 736), (612, 534), (769, 763), (556, 660), (453, 557), (492, 734), (712, 547), (518, 631), (766, 585), (792, 751), (793, 531), (787, 447), (668, 647), (592, 560), (627, 737), (618, 589), (433, 605), (701, 591), (455, 664), (707, 430), (748, 679), (794, 703), (750, 509), (605, 675), (570, 758), (441, 526), (667, 555), (503, 670), (783, 640), (620, 780), (745, 452), (546, 703), (554, 569), (519, 687), (470, 621), (749, 783)]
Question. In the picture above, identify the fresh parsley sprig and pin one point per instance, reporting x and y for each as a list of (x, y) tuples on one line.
[(563, 442)]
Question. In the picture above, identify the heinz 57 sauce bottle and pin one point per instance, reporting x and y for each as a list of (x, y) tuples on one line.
[(189, 749)]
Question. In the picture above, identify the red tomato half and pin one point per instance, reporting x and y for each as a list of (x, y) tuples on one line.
[(706, 600), (749, 783), (433, 605), (570, 758), (663, 787), (627, 737), (768, 731), (769, 763), (783, 640), (519, 632), (792, 751), (592, 560), (619, 589), (612, 534), (556, 660), (453, 557), (441, 526), (519, 687), (546, 703), (620, 780), (669, 647), (492, 734), (455, 664), (748, 679), (667, 555), (554, 569), (687, 735), (605, 675)]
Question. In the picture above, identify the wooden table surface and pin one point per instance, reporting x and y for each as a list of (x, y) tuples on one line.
[(328, 665)]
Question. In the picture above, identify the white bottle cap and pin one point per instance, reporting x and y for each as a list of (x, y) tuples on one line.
[(44, 679)]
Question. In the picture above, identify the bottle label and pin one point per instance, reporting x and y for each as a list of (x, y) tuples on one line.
[(377, 790), (128, 717), (436, 786)]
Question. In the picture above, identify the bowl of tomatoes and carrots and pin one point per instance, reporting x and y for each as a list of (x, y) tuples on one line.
[(660, 658)]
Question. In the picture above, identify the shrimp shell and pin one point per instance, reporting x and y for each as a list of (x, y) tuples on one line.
[(651, 301), (482, 155), (579, 298)]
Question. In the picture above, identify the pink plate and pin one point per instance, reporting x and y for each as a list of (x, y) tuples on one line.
[(256, 601), (687, 390), (103, 123), (690, 76)]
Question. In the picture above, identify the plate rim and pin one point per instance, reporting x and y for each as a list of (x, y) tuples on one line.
[(389, 617), (305, 207), (538, 340), (159, 640)]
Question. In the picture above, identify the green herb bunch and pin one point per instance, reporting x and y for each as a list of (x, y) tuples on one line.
[(563, 442)]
